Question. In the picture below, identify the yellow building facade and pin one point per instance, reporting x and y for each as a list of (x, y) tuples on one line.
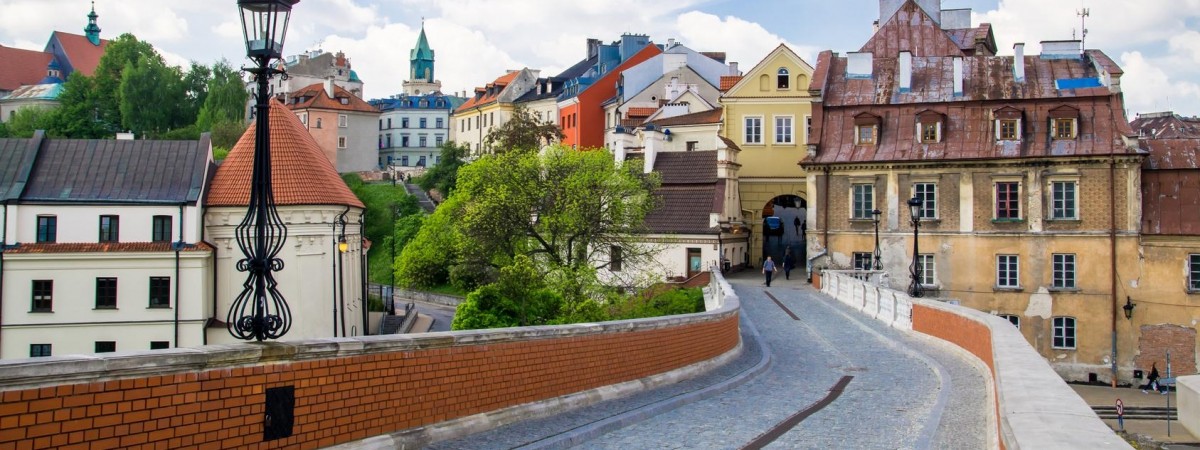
[(768, 114)]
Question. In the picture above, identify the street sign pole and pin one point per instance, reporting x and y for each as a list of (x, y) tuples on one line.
[(1168, 388)]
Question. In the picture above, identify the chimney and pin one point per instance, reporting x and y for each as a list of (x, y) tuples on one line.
[(859, 65), (1062, 49), (670, 42), (1019, 62), (733, 69), (329, 87), (905, 71), (650, 149), (958, 76)]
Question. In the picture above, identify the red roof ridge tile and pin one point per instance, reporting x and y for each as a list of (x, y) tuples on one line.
[(301, 174)]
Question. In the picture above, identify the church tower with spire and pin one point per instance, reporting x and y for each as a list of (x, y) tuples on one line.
[(420, 78), (92, 31)]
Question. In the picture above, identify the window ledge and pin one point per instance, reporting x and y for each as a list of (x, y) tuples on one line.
[(1064, 290), (1190, 291), (1008, 289), (862, 220), (931, 220), (1066, 349), (999, 221), (105, 308), (1066, 220), (158, 307), (41, 311)]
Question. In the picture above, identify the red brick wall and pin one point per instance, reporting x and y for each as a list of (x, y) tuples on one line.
[(1157, 339), (967, 334), (347, 398)]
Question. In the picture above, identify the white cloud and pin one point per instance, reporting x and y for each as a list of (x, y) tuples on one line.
[(1187, 44), (1148, 88), (1111, 24), (742, 41)]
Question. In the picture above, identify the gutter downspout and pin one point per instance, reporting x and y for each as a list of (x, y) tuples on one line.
[(178, 247), (204, 329), (333, 275), (1112, 238), (362, 271), (3, 246)]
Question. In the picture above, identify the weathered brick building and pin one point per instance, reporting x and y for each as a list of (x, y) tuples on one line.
[(1024, 167)]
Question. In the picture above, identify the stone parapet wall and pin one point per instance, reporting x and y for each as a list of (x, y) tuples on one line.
[(1035, 407), (346, 389)]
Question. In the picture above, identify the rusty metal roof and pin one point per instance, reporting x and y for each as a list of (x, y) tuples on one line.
[(910, 29), (1166, 125), (1171, 202)]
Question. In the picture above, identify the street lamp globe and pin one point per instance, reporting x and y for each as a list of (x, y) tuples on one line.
[(914, 207), (264, 25)]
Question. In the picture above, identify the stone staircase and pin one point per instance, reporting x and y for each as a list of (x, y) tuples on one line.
[(1138, 412), (391, 324)]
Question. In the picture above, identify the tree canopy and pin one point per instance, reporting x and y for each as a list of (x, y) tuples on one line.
[(522, 132)]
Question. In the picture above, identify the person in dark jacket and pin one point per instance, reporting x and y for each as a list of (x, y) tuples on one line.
[(789, 263), (1152, 379)]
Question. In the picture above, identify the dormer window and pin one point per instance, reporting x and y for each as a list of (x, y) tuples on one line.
[(782, 78), (866, 129), (929, 127), (344, 100), (1064, 123), (1008, 124)]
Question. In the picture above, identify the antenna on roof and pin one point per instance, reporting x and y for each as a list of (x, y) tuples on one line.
[(1083, 15)]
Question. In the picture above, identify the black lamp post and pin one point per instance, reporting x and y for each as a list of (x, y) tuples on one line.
[(1129, 305), (260, 311), (914, 289), (878, 265)]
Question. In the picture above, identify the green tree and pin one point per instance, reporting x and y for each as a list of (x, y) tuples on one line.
[(522, 132), (427, 258), (105, 93), (152, 98), (25, 121), (564, 208), (444, 176), (195, 88), (225, 134), (225, 100), (78, 110)]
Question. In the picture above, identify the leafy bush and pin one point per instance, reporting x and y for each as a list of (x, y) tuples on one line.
[(666, 303), (427, 258)]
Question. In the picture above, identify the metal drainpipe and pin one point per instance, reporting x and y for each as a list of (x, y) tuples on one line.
[(178, 247), (362, 272), (1112, 238), (204, 328), (825, 231), (333, 276), (3, 246)]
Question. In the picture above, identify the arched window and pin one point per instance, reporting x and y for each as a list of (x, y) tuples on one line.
[(784, 79)]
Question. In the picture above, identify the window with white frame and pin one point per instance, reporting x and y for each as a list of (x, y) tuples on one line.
[(1008, 271), (1064, 198), (863, 260), (865, 134), (343, 121), (782, 79), (1063, 128), (753, 130), (1194, 272), (1008, 200), (1064, 333), (303, 118), (862, 201), (1013, 319), (807, 129), (341, 142), (927, 193), (926, 269), (1063, 271), (783, 130), (929, 127)]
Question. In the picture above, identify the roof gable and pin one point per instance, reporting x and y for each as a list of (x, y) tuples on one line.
[(300, 172), (83, 55), (22, 67), (314, 96), (912, 30), (769, 65)]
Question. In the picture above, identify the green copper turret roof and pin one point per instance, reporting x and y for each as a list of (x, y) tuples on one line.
[(92, 31), (421, 59)]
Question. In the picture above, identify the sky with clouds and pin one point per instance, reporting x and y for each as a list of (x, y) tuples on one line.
[(1156, 42)]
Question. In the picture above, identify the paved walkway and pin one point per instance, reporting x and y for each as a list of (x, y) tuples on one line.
[(1133, 398), (906, 391), (422, 197)]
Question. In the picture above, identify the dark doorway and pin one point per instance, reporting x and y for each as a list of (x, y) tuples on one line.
[(695, 264), (784, 224)]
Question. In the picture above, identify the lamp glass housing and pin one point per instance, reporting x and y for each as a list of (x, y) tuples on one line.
[(264, 26), (914, 208), (343, 246)]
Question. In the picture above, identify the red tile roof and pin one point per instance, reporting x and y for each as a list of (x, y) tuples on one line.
[(314, 97), (83, 55), (640, 111), (696, 118), (106, 247), (483, 96), (727, 81), (300, 172), (21, 67)]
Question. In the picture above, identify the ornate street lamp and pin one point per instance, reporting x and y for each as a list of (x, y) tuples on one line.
[(260, 311), (914, 207), (878, 265)]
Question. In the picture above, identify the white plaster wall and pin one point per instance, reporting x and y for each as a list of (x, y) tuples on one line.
[(75, 324), (362, 149), (1188, 393), (309, 281), (81, 223), (670, 259)]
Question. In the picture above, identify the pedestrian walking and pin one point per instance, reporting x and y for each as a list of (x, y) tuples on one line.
[(789, 263), (796, 223), (768, 269), (1152, 379)]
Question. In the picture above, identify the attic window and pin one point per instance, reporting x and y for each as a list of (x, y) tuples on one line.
[(866, 129), (1008, 124), (929, 127), (783, 79), (1064, 123), (344, 100)]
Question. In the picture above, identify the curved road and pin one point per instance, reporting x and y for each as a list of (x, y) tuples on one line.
[(832, 379)]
